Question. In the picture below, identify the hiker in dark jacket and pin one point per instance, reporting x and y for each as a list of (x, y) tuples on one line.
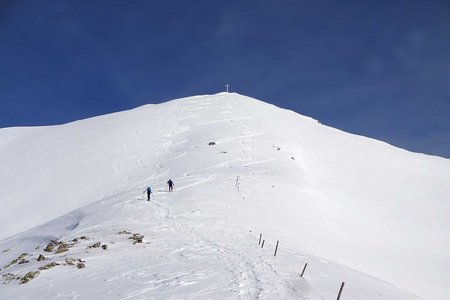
[(171, 184), (149, 192)]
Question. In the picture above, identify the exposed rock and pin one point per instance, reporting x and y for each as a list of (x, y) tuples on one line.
[(21, 260), (9, 277), (125, 232), (212, 143), (41, 257), (83, 238), (96, 245), (49, 266), (104, 247), (137, 238), (63, 247), (75, 262), (50, 247), (29, 276)]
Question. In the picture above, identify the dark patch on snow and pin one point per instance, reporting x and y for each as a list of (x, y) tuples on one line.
[(96, 245)]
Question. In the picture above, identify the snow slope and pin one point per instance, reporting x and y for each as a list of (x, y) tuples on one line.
[(355, 209)]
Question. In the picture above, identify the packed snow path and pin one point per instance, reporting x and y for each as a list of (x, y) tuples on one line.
[(241, 167)]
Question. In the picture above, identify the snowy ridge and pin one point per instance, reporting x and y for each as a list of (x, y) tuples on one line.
[(345, 204)]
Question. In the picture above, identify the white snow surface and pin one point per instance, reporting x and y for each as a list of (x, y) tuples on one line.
[(355, 209)]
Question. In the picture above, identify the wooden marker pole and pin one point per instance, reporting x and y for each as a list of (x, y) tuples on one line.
[(304, 268), (276, 249), (260, 236), (340, 291), (262, 245)]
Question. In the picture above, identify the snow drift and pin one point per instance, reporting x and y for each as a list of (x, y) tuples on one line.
[(356, 209)]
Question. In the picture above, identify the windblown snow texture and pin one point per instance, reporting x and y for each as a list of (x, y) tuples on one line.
[(355, 209)]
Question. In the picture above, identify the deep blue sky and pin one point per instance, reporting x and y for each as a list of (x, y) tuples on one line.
[(375, 68)]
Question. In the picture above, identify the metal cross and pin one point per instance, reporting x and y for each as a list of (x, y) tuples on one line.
[(227, 86)]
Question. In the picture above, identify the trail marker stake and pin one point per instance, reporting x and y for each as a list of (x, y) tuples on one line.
[(340, 291), (260, 236), (304, 268), (262, 245), (276, 249)]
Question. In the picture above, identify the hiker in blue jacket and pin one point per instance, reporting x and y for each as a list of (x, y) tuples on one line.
[(149, 192)]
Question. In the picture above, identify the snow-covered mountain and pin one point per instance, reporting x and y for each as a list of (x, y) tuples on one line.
[(355, 209)]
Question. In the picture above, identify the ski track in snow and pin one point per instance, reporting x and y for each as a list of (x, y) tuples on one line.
[(224, 120), (258, 162)]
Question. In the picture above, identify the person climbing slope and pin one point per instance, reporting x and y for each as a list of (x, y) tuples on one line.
[(171, 184), (149, 192)]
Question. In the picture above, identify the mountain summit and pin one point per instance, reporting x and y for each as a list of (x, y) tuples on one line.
[(75, 221)]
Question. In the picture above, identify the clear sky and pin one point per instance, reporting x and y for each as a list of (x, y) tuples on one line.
[(375, 68)]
